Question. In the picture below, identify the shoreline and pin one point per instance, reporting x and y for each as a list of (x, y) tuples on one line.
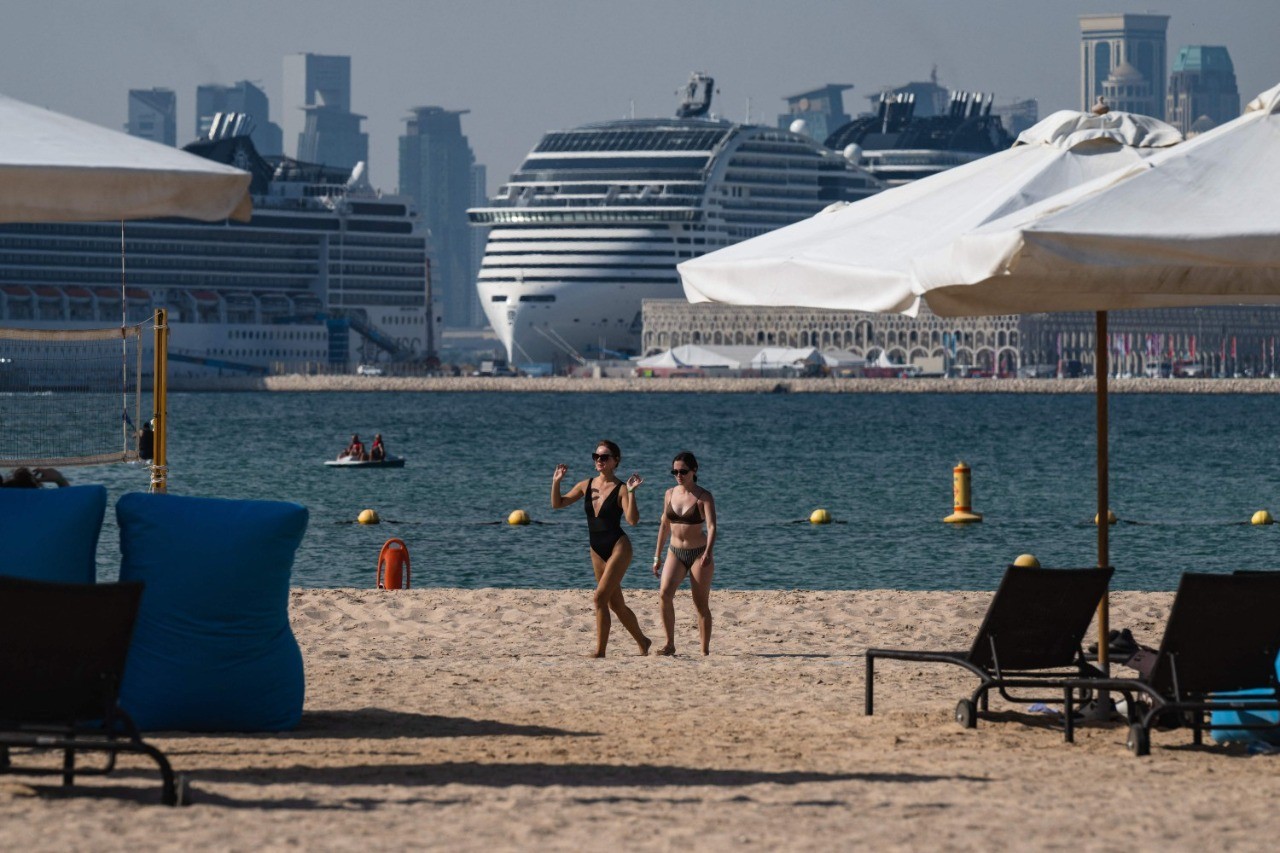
[(712, 385)]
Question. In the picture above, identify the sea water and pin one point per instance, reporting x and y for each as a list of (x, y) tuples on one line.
[(1187, 472)]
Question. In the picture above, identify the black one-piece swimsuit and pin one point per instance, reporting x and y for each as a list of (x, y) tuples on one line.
[(605, 527)]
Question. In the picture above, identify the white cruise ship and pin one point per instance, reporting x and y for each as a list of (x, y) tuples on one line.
[(596, 218), (327, 274)]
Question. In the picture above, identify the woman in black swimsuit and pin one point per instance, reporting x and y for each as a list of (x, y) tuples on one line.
[(608, 500), (686, 508)]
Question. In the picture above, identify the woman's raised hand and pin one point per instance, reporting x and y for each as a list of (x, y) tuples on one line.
[(634, 481), (560, 471)]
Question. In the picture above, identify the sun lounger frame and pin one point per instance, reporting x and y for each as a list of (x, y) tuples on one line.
[(1030, 639), (79, 636), (1222, 637)]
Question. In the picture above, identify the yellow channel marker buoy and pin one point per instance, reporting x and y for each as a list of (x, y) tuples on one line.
[(962, 511), (819, 516), (1026, 561), (1111, 517), (518, 516), (368, 516), (1261, 517)]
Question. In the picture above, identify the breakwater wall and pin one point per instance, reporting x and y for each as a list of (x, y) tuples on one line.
[(724, 385)]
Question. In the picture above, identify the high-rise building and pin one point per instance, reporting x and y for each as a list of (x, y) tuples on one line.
[(1202, 85), (153, 114), (1108, 41), (436, 169), (319, 126), (1127, 90), (821, 110), (479, 235), (243, 98)]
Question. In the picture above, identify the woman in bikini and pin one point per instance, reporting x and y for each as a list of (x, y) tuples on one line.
[(686, 509), (608, 500)]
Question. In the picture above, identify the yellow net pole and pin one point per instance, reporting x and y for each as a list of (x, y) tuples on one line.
[(159, 393)]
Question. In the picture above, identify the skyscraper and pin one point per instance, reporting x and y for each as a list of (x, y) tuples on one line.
[(153, 114), (319, 126), (244, 98), (1107, 41), (1202, 85), (436, 169), (479, 235)]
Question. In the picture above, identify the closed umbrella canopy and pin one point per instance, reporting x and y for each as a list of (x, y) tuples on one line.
[(858, 257), (1198, 224), (54, 168)]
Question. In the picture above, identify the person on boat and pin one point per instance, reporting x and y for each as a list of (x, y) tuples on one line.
[(378, 451), (689, 520), (355, 450), (608, 501), (33, 478)]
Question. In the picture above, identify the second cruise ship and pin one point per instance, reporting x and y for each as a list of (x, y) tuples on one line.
[(596, 218)]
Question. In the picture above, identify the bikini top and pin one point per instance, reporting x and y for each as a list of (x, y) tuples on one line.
[(692, 516), (609, 519)]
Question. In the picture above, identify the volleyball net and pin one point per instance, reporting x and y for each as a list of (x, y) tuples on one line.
[(70, 397)]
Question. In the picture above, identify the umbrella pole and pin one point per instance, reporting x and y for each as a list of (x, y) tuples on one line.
[(1104, 499)]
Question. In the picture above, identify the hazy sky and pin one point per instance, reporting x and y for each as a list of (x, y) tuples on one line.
[(523, 67)]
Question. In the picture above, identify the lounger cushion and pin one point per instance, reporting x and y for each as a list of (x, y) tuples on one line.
[(51, 534), (212, 649)]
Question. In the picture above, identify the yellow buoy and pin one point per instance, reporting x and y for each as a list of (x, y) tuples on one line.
[(368, 516), (962, 512), (1111, 517), (819, 516), (1261, 517), (518, 516), (1026, 561)]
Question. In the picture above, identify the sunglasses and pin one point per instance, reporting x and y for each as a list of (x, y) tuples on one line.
[(600, 457), (680, 472)]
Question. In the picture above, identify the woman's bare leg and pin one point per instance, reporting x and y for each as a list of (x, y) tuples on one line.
[(673, 573), (700, 584), (609, 595)]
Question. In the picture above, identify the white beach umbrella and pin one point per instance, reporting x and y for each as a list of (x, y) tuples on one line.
[(54, 168), (858, 257), (1198, 224)]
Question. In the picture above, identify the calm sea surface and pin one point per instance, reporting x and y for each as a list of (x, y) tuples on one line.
[(1186, 472)]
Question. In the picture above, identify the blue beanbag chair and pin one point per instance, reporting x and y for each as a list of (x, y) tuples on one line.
[(1221, 722), (212, 649), (51, 534)]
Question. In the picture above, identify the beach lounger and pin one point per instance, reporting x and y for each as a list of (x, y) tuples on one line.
[(1029, 639), (64, 649), (1222, 636)]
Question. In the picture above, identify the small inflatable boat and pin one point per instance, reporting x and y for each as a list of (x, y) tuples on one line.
[(351, 462)]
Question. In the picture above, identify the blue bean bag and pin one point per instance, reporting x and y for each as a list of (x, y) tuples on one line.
[(212, 649), (51, 534)]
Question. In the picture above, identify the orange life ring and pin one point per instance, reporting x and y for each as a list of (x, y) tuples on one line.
[(393, 565)]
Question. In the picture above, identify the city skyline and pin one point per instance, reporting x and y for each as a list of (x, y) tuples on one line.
[(523, 68)]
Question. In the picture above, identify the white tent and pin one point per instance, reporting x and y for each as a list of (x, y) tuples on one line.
[(695, 356), (54, 168), (1199, 224), (776, 358), (859, 257)]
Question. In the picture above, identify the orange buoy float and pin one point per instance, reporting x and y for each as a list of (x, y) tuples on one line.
[(393, 565)]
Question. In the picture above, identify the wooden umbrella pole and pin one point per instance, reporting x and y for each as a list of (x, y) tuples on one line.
[(1104, 498)]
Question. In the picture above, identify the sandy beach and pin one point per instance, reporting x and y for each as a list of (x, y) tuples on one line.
[(470, 719)]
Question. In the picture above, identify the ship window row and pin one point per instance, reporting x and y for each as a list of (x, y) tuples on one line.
[(495, 279), (401, 321), (408, 256), (415, 242), (505, 217), (377, 284), (256, 334), (497, 237), (313, 352), (631, 164), (631, 140), (86, 277), (513, 254), (395, 270), (71, 262), (140, 248), (567, 175), (560, 265), (110, 233)]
